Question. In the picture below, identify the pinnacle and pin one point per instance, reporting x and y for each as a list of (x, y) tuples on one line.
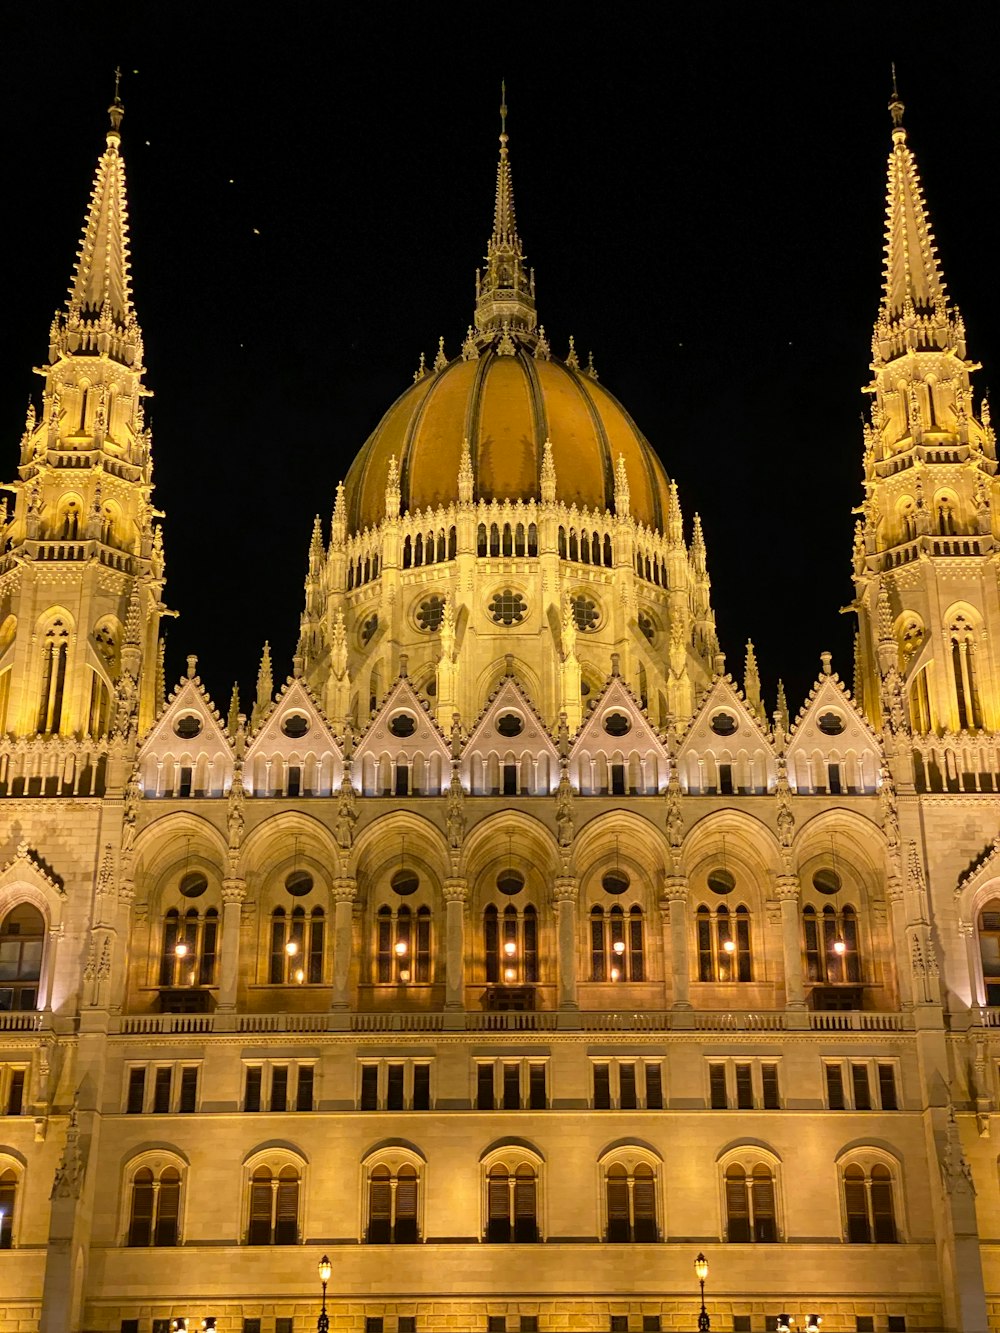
[(100, 288)]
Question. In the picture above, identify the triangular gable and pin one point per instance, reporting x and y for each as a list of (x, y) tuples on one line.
[(187, 750), (293, 751), (726, 749), (27, 867), (403, 751), (831, 746), (498, 759), (984, 869), (609, 756)]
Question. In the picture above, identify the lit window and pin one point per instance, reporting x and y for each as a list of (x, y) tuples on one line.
[(617, 946), (510, 941), (297, 941), (22, 941), (724, 944)]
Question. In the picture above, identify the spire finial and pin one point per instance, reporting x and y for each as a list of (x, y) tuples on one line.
[(503, 111), (116, 110), (896, 107)]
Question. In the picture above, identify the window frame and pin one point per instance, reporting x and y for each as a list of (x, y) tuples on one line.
[(267, 1066), (499, 1064), (275, 1159), (867, 1158), (157, 1161), (392, 1157), (749, 1156), (630, 1157), (511, 1157), (871, 1064)]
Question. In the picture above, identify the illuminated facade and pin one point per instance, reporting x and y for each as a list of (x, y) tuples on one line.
[(507, 951)]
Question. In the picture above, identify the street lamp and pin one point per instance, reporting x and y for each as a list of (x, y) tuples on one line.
[(701, 1273), (325, 1269)]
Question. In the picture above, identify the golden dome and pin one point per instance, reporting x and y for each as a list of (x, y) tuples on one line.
[(506, 406)]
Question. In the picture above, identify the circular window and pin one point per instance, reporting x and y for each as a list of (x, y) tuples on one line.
[(721, 881), (510, 882), (647, 626), (193, 884), (367, 630), (617, 724), (830, 724), (508, 607), (509, 724), (295, 725), (615, 881), (187, 727), (430, 613), (723, 724), (405, 882), (403, 724), (298, 883), (826, 880), (585, 613)]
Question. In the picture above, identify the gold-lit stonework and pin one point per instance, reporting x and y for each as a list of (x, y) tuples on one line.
[(506, 955)]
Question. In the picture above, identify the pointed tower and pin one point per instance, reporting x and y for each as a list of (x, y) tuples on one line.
[(505, 289), (81, 557), (924, 559)]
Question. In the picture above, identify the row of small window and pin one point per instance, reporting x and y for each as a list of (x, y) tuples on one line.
[(392, 1211), (498, 1323), (404, 952), (501, 1085)]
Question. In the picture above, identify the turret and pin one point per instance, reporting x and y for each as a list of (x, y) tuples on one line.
[(84, 562), (929, 642)]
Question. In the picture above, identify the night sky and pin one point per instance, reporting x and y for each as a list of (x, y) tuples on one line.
[(311, 189)]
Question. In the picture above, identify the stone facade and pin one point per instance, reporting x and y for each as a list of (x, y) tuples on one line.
[(509, 951)]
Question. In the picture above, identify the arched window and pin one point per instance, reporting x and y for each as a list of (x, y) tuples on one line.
[(481, 539), (274, 1206), (510, 941), (989, 949), (962, 636), (831, 942), (392, 1205), (511, 1204), (617, 944), (562, 543), (22, 943), (724, 944), (8, 1198), (947, 514), (631, 1203), (868, 1204), (403, 945), (155, 1205), (608, 558), (55, 647), (296, 947), (750, 1207), (190, 948)]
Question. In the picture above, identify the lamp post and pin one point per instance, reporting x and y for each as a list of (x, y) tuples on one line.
[(325, 1269), (701, 1273)]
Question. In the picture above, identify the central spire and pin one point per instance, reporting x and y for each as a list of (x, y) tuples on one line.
[(505, 289), (99, 315), (915, 311)]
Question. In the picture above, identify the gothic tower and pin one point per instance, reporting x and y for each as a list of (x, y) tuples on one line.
[(924, 548), (81, 561)]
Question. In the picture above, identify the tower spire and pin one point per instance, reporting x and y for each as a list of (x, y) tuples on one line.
[(915, 310), (99, 315), (505, 290)]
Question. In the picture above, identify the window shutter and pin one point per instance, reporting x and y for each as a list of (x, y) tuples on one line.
[(858, 1228), (617, 1189), (764, 1223), (168, 1207), (737, 1205), (644, 1204), (259, 1231), (141, 1222), (286, 1222), (379, 1207)]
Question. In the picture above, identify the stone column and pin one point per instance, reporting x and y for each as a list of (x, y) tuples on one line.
[(455, 897), (977, 991), (234, 892), (675, 893), (564, 898), (791, 946), (344, 893)]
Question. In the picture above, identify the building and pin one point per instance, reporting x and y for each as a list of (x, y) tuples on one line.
[(508, 951)]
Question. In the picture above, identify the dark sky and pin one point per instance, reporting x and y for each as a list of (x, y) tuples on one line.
[(311, 190)]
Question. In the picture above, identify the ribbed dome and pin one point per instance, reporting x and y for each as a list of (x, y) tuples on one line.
[(506, 406)]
